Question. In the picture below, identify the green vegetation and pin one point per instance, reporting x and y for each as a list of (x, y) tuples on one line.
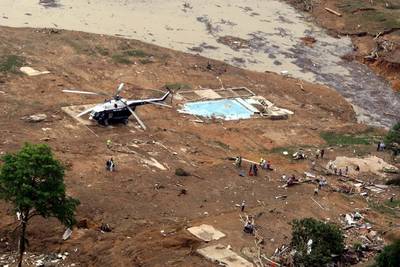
[(102, 51), (393, 204), (327, 239), (181, 172), (145, 61), (11, 63), (334, 139), (135, 53), (392, 139), (389, 257), (383, 208), (124, 56), (372, 18), (177, 86), (81, 46), (121, 59), (221, 144), (33, 181)]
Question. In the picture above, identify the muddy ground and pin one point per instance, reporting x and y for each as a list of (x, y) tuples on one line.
[(139, 201), (374, 27), (254, 35)]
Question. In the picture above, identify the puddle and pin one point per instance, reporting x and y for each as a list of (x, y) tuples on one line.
[(253, 34)]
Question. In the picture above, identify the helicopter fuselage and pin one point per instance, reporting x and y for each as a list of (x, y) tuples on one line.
[(112, 111)]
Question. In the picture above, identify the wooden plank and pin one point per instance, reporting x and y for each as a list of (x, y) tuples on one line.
[(333, 11)]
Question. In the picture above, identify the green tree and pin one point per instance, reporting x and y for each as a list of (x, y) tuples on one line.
[(392, 139), (390, 256), (33, 181), (327, 240)]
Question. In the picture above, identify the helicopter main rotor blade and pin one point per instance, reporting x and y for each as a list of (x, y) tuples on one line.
[(81, 92), (85, 112), (160, 104), (137, 118), (119, 89)]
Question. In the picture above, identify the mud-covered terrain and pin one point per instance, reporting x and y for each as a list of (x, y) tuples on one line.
[(253, 34), (148, 208)]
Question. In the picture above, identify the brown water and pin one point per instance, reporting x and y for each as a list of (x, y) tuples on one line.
[(272, 31)]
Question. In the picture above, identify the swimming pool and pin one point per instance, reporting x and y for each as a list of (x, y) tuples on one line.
[(227, 109)]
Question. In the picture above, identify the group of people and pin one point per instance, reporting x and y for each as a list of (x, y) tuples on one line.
[(340, 171), (253, 170), (381, 146)]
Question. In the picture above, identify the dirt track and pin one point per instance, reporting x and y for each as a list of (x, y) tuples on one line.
[(129, 199)]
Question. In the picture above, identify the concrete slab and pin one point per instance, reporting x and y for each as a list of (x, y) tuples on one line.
[(207, 94), (221, 254), (32, 72), (371, 164), (73, 111), (206, 232)]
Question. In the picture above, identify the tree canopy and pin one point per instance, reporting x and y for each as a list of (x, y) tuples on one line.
[(33, 181), (327, 240)]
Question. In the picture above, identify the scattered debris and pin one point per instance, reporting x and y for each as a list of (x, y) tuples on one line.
[(319, 205), (299, 155), (182, 192), (67, 234), (233, 42), (206, 232), (31, 259), (333, 12), (105, 227), (35, 117), (308, 41)]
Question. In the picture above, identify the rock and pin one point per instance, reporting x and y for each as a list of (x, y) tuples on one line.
[(35, 117)]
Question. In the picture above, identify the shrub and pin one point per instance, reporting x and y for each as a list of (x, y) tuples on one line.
[(327, 240), (390, 256), (181, 172), (11, 63)]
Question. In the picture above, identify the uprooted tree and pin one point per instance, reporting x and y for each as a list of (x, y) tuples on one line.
[(392, 139), (33, 181), (315, 242)]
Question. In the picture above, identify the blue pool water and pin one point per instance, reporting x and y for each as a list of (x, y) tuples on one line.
[(227, 109)]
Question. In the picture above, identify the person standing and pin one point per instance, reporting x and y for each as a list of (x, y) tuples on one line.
[(109, 143), (322, 153), (242, 206), (112, 165), (255, 169), (251, 170)]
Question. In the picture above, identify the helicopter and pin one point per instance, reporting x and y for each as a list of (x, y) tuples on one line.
[(117, 109)]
